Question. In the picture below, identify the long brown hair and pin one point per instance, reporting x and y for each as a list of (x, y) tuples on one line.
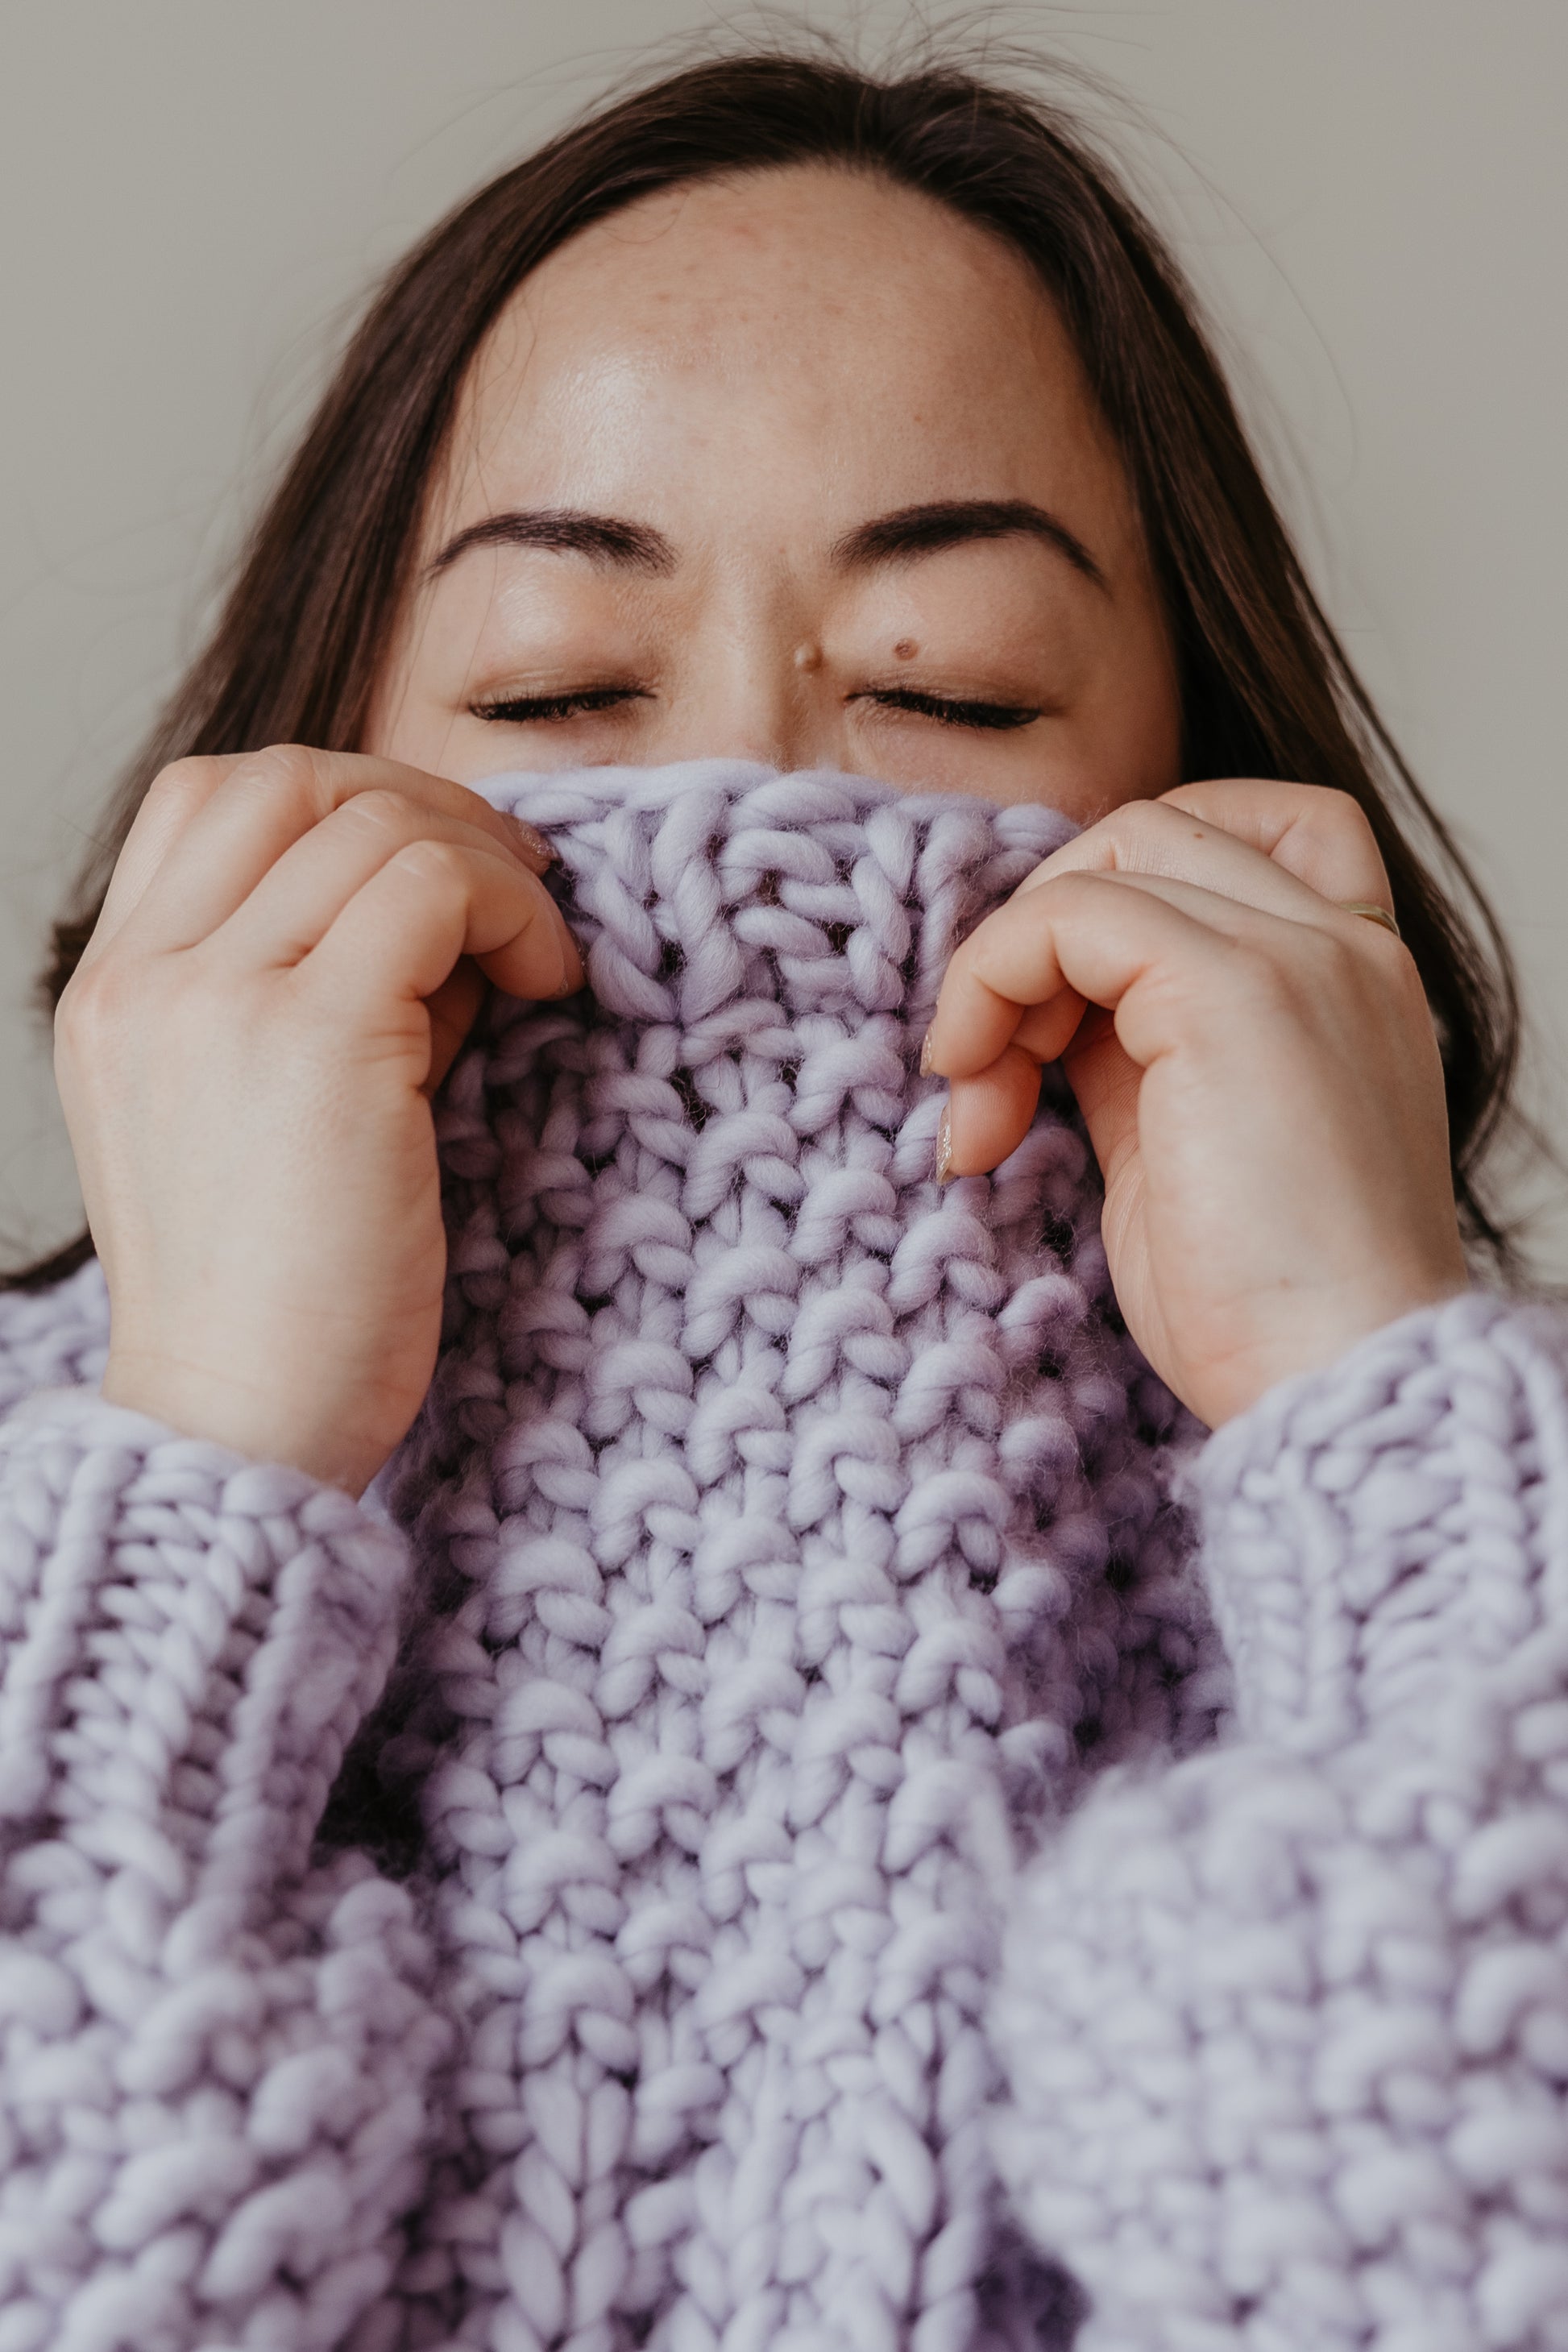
[(1266, 686)]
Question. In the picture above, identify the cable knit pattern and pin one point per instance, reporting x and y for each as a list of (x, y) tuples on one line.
[(1286, 2026), (794, 1550)]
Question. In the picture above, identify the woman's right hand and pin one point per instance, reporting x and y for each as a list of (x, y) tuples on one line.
[(289, 958)]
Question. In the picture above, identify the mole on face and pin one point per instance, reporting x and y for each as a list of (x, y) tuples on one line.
[(808, 656), (906, 649)]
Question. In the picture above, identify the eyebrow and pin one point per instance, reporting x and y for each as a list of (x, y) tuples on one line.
[(566, 530), (953, 522), (898, 538)]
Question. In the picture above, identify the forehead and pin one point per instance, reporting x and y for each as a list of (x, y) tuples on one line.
[(813, 316)]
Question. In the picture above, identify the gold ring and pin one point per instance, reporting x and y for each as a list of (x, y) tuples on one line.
[(1373, 914)]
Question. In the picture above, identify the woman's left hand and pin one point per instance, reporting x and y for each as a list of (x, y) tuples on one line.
[(1257, 1067)]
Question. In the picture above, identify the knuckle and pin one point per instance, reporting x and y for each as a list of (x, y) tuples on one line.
[(278, 768), (1129, 832), (1335, 806), (1079, 887), (1339, 959), (1335, 815), (382, 808), (1140, 821), (440, 865), (1258, 978), (1350, 958), (1396, 968), (190, 779), (94, 1005)]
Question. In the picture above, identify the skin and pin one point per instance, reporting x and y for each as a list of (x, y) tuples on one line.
[(748, 380), (755, 370)]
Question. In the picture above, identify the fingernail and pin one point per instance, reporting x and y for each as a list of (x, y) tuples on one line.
[(944, 1145), (926, 1052), (532, 840)]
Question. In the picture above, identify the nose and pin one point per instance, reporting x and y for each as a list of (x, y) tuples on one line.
[(757, 689)]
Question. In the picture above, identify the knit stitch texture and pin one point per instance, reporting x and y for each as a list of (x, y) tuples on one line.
[(805, 1512), (797, 1602), (1287, 2025)]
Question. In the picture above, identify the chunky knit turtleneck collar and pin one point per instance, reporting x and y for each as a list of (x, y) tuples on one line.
[(792, 1527)]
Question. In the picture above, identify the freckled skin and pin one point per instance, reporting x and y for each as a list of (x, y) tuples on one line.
[(757, 366), (754, 367)]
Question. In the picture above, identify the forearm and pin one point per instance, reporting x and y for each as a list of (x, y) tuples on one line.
[(188, 1640), (1286, 2026)]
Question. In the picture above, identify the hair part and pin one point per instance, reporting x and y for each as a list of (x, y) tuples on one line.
[(1266, 686)]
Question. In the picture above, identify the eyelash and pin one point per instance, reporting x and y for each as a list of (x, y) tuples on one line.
[(521, 710), (949, 710)]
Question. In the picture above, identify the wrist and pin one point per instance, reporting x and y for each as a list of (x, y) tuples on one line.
[(1310, 1334), (196, 1401)]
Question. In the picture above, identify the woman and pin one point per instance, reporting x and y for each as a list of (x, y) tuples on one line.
[(807, 506)]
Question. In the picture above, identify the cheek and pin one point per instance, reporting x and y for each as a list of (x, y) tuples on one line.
[(1056, 764), (395, 731), (409, 723), (1133, 719)]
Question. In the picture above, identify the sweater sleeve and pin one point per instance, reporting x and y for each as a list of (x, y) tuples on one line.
[(1286, 2026), (214, 2052)]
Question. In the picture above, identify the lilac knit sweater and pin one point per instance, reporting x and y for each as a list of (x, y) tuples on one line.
[(878, 1885)]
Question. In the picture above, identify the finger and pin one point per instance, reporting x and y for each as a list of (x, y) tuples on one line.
[(999, 1103), (1105, 1080), (170, 804), (989, 1115), (1048, 1031), (1322, 837), (401, 935), (299, 898), (262, 803), (452, 1008), (1080, 937), (1114, 936), (1178, 844)]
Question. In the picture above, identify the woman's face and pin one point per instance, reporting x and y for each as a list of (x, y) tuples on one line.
[(795, 466)]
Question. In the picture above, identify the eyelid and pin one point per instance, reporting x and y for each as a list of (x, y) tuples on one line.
[(1000, 717), (557, 703), (990, 714)]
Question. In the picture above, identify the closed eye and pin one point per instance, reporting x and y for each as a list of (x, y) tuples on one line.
[(949, 711), (522, 710)]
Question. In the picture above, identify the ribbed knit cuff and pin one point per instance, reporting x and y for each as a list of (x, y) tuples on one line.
[(188, 1639), (1368, 1524)]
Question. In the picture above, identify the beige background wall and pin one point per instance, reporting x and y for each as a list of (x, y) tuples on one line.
[(1374, 197)]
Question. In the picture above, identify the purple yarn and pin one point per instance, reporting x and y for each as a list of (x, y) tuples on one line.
[(833, 1921), (783, 1485)]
